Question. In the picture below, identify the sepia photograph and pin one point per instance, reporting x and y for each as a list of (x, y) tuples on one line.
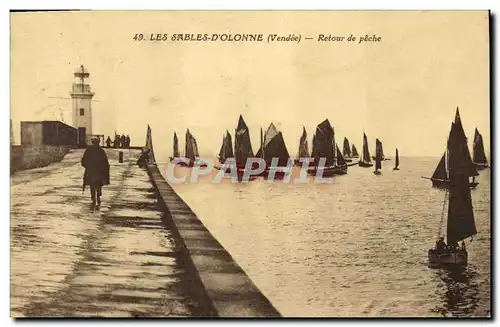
[(250, 164)]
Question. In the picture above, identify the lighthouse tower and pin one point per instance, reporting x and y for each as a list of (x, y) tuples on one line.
[(81, 96)]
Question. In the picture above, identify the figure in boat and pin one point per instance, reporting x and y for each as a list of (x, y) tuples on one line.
[(324, 147), (441, 176), (365, 160), (478, 155), (396, 166), (378, 157), (460, 217)]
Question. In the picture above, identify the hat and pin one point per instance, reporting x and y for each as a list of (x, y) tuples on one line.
[(95, 140)]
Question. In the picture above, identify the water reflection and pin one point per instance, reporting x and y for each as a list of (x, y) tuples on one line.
[(458, 291)]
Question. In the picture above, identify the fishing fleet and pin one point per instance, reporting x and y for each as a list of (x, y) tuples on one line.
[(455, 172)]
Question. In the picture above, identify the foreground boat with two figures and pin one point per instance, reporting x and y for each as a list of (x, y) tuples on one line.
[(460, 222)]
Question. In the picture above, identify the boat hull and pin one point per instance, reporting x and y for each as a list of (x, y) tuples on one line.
[(365, 164), (329, 171), (458, 257)]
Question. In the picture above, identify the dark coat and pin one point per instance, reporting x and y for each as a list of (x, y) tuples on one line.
[(96, 166)]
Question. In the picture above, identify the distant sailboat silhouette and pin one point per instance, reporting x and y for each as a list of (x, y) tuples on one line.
[(226, 149), (365, 160), (347, 151), (341, 162), (378, 157), (273, 146), (354, 153), (191, 150), (478, 155), (396, 166), (303, 147), (176, 153), (324, 147)]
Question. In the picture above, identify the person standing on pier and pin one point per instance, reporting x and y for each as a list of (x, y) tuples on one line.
[(122, 141), (108, 142), (117, 141), (95, 162), (127, 140)]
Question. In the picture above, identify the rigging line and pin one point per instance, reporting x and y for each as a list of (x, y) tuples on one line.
[(442, 214)]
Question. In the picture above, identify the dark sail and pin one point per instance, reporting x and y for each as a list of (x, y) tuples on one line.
[(347, 148), (228, 147), (303, 147), (378, 155), (315, 147), (273, 147), (354, 152), (478, 149), (242, 144), (261, 137), (221, 151), (195, 147), (397, 159), (323, 143), (440, 172), (366, 152), (190, 146), (457, 142), (461, 222), (340, 157), (176, 146)]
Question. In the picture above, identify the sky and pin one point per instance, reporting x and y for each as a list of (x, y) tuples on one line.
[(403, 90)]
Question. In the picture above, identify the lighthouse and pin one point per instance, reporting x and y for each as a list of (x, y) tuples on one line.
[(81, 96)]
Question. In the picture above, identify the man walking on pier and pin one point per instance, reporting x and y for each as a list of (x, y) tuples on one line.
[(96, 174)]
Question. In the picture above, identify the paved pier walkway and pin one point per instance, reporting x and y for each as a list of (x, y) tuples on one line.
[(118, 261)]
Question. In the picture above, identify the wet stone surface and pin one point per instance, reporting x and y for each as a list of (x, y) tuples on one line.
[(70, 260)]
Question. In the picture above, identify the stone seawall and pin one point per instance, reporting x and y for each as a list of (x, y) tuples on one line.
[(227, 288), (28, 157)]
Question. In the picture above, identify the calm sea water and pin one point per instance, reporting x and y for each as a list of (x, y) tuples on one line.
[(357, 247)]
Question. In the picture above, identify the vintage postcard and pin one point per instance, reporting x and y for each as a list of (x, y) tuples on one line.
[(320, 164)]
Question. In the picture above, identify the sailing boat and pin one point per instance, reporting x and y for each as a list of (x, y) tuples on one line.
[(176, 153), (382, 156), (365, 160), (191, 150), (478, 155), (378, 157), (323, 147), (303, 147), (226, 149), (396, 166), (460, 218), (354, 153), (273, 146), (341, 162), (441, 176), (242, 145), (347, 150)]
